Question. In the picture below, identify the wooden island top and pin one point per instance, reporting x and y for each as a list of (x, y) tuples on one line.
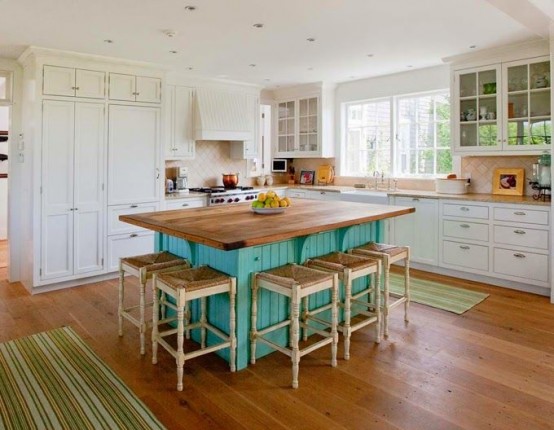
[(237, 226)]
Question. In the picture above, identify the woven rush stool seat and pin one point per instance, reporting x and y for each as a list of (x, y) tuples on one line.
[(389, 254), (184, 286), (143, 267), (350, 267), (295, 282)]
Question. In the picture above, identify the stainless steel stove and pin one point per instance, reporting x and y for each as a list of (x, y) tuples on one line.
[(219, 196)]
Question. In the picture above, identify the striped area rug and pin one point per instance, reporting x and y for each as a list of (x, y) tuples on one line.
[(53, 380), (437, 295)]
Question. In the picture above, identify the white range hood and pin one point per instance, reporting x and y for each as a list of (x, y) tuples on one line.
[(222, 115)]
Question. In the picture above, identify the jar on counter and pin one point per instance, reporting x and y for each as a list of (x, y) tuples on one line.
[(544, 170), (269, 180)]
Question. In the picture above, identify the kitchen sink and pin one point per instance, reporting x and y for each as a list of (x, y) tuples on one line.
[(365, 196)]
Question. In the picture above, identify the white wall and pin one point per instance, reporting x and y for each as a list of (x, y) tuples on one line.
[(4, 126)]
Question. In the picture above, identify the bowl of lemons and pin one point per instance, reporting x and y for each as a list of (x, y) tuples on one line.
[(270, 203)]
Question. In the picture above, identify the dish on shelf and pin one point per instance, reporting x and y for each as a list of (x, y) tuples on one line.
[(268, 211)]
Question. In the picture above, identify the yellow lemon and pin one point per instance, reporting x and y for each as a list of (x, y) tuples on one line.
[(287, 200), (271, 194), (274, 204), (283, 203), (262, 197)]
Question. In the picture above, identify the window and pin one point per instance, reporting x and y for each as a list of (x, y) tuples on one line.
[(420, 124), (5, 86)]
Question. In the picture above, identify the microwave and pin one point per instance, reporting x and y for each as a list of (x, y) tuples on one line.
[(279, 165)]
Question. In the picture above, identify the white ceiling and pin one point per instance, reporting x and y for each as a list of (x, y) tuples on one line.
[(219, 40)]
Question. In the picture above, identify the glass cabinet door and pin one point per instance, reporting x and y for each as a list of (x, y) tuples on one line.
[(286, 127), (527, 107), (307, 125), (478, 108)]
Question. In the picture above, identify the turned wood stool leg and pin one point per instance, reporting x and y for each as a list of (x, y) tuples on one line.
[(121, 298), (305, 313), (334, 320), (407, 286), (346, 330), (187, 319), (203, 320), (295, 324), (386, 268), (180, 340), (232, 324), (142, 305), (254, 318), (155, 319), (377, 301)]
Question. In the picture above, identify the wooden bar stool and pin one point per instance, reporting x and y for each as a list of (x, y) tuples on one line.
[(295, 282), (389, 254), (184, 286), (143, 267), (350, 267)]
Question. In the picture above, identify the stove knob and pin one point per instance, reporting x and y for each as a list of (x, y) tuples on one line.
[(230, 201), (237, 199), (221, 200)]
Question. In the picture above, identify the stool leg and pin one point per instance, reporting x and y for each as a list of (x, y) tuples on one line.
[(203, 320), (386, 296), (407, 286), (254, 318), (377, 300), (334, 320), (180, 340), (295, 325), (305, 313), (232, 323), (121, 298), (142, 309), (346, 331), (187, 319), (155, 319)]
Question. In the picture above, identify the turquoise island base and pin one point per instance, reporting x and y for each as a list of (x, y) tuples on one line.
[(286, 239)]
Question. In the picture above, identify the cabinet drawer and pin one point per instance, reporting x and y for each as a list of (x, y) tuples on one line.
[(524, 265), (531, 216), (185, 204), (117, 227), (296, 194), (465, 255), (128, 245), (511, 235), (465, 230), (466, 211)]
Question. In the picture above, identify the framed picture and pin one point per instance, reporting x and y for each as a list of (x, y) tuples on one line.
[(508, 181), (307, 177)]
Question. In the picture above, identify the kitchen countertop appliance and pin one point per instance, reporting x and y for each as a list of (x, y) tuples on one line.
[(219, 196), (182, 180), (325, 175)]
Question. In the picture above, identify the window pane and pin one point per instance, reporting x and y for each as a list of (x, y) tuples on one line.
[(425, 135), (3, 87), (444, 161), (443, 134), (425, 161), (442, 106)]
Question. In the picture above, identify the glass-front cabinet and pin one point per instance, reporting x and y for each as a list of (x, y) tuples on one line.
[(503, 108), (478, 106), (527, 110), (298, 129)]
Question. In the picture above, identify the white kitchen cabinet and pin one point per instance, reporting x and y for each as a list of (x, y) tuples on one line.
[(133, 154), (313, 194), (417, 230), (503, 108), (186, 203), (133, 88), (67, 81), (128, 245), (115, 226), (72, 189), (180, 144)]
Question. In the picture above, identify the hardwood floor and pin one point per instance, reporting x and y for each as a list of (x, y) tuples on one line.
[(492, 367), (3, 253)]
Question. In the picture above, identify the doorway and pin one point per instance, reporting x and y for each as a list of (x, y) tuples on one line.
[(4, 160)]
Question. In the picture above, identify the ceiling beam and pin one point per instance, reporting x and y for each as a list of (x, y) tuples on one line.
[(535, 15)]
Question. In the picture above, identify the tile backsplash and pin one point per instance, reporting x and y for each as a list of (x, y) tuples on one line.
[(481, 170)]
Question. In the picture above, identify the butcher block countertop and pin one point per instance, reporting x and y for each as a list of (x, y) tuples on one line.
[(236, 226)]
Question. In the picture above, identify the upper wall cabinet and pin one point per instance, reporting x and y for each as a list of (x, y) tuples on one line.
[(503, 108), (70, 82), (135, 88), (180, 143)]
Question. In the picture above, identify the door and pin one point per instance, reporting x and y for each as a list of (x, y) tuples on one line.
[(122, 87), (57, 189), (58, 81), (133, 154), (90, 84), (183, 140), (88, 187), (148, 90)]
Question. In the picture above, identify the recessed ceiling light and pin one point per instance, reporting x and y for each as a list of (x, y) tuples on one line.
[(310, 68), (473, 47), (370, 55), (352, 77), (108, 40), (252, 65), (173, 51), (409, 66), (222, 76), (190, 68), (258, 25), (311, 39), (190, 8), (267, 79)]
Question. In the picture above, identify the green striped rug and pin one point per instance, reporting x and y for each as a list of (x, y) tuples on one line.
[(53, 380), (437, 295)]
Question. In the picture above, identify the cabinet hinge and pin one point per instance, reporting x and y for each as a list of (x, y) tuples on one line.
[(263, 115), (102, 187), (40, 272), (102, 262), (41, 190)]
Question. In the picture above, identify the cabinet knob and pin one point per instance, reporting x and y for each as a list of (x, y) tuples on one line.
[(464, 225), (519, 213), (465, 247), (133, 206), (77, 88), (464, 209), (133, 235), (519, 255), (519, 232), (71, 209), (185, 205), (415, 199)]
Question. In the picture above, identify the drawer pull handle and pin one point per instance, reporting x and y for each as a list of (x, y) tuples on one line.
[(463, 208), (518, 255), (133, 235), (464, 247), (415, 199), (185, 205), (519, 232), (322, 192), (134, 206), (519, 213), (464, 225)]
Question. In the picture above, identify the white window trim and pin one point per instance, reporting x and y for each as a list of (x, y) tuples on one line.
[(393, 100), (9, 86)]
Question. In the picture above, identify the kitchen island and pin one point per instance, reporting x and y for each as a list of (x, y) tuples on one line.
[(239, 242)]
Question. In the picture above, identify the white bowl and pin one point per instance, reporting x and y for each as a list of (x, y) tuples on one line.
[(452, 186)]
